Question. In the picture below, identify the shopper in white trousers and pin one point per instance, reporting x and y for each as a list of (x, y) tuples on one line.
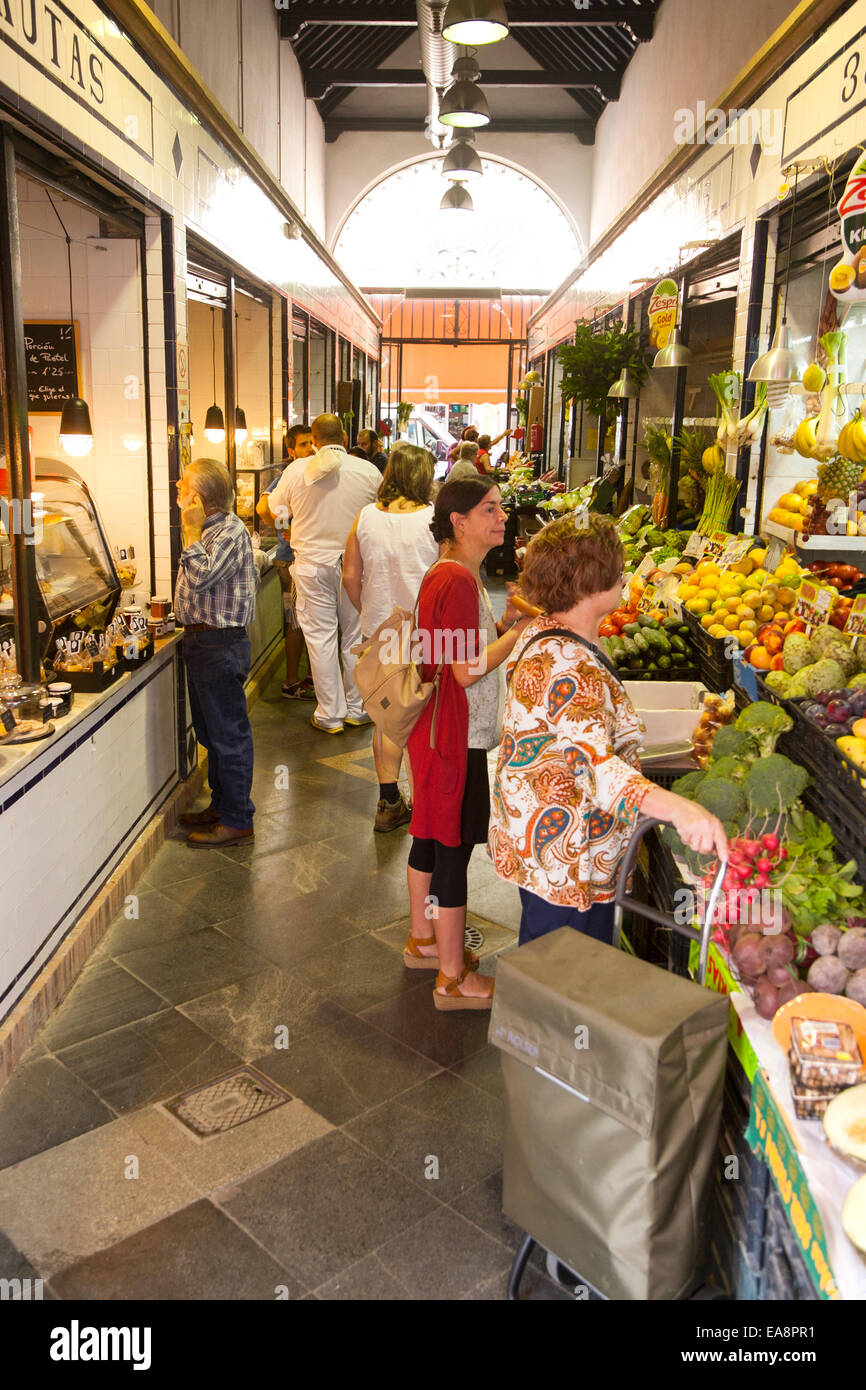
[(321, 496)]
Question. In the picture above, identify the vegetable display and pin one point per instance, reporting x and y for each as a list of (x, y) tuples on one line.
[(648, 648)]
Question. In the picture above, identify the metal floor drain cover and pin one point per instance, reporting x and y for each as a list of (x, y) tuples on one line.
[(474, 938), (226, 1103)]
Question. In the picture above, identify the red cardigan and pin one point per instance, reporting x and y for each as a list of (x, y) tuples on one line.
[(448, 600)]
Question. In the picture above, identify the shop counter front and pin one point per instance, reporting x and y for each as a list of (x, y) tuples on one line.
[(72, 804)]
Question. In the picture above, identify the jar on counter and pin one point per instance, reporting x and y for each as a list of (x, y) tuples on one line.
[(60, 695)]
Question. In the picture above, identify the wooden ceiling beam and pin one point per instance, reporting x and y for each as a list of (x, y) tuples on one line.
[(317, 83)]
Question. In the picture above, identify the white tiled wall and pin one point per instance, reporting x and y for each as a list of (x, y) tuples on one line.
[(98, 793)]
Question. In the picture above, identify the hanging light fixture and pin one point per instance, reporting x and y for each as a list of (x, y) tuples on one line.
[(625, 389), (240, 417), (76, 431), (456, 199), (475, 22), (214, 423), (461, 162), (674, 353), (780, 363), (464, 104)]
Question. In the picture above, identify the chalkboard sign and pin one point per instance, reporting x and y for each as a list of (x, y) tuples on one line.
[(52, 366)]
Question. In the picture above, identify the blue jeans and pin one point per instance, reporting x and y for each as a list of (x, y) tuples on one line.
[(217, 664), (540, 917)]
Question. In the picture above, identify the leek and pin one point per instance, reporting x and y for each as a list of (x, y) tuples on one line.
[(726, 389)]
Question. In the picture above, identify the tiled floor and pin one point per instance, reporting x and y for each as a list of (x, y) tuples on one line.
[(378, 1180)]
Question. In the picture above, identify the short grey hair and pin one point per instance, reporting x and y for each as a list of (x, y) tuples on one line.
[(468, 451), (213, 484)]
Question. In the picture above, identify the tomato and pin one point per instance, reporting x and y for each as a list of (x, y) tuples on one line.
[(607, 629)]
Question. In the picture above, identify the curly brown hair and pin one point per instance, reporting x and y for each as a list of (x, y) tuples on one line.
[(571, 559)]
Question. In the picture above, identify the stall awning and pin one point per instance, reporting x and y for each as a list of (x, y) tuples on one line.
[(469, 374)]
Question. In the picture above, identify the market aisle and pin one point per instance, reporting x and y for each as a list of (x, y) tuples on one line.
[(284, 954)]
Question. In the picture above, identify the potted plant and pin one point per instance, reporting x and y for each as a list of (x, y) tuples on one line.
[(594, 361), (404, 413)]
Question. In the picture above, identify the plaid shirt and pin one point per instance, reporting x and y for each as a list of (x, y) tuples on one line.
[(217, 579)]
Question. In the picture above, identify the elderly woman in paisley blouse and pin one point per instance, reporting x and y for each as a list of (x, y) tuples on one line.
[(568, 783)]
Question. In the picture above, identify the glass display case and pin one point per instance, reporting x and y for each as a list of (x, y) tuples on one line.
[(252, 480), (76, 577)]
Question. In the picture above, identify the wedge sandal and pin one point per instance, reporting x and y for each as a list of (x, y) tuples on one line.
[(453, 999), (414, 960)]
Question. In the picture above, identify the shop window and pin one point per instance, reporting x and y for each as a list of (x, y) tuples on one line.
[(300, 368), (206, 329), (321, 370), (105, 366), (256, 463)]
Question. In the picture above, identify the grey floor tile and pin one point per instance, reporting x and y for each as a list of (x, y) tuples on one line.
[(305, 868), (535, 1287), (344, 1205), (483, 1069), (375, 854), (366, 900), (446, 1038), (342, 1070), (367, 1281), (443, 1257), (482, 1205), (358, 974), (496, 900), (190, 966), (174, 860), (249, 1015), (218, 891), (16, 1267), (42, 1105), (105, 996), (148, 1061), (197, 1253), (159, 918), (273, 835), (285, 933), (443, 1134)]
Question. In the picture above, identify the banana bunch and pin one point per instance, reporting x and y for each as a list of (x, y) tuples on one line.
[(805, 436), (852, 439)]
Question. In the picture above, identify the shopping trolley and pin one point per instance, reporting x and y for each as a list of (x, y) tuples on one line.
[(613, 1072)]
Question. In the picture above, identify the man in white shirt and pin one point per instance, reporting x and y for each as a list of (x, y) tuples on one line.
[(321, 496)]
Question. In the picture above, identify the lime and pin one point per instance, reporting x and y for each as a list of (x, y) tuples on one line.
[(814, 377)]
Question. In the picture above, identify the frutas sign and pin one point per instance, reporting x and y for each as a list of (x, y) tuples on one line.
[(662, 312), (848, 276)]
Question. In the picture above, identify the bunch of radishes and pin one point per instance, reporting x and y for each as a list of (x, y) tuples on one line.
[(841, 964), (751, 862)]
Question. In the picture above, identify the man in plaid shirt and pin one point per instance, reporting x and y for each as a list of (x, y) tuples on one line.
[(214, 601)]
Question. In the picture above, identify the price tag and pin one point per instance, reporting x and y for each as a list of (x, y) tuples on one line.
[(736, 548), (856, 621), (648, 599), (646, 566), (7, 719), (135, 622), (715, 544), (76, 642), (675, 608), (695, 548), (125, 552), (813, 603), (669, 565), (775, 550)]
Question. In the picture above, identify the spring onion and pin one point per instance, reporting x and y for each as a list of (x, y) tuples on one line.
[(832, 400)]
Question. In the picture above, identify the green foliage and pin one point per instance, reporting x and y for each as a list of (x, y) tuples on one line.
[(594, 361)]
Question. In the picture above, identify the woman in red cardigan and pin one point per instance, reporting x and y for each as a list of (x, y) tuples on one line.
[(448, 746)]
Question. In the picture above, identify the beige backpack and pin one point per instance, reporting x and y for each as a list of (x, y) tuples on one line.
[(389, 681)]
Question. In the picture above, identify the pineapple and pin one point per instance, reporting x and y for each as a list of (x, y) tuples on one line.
[(838, 479)]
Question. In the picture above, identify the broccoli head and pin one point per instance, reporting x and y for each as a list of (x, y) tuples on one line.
[(765, 723), (774, 784), (688, 785), (723, 799), (731, 742), (734, 769)]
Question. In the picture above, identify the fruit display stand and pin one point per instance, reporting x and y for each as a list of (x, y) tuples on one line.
[(775, 1223)]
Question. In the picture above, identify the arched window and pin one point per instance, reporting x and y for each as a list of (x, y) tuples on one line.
[(517, 237)]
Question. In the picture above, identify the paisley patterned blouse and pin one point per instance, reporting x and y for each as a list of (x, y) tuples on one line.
[(568, 784)]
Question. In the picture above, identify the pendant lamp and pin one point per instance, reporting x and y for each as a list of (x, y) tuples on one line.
[(214, 423), (464, 104), (625, 389), (475, 22), (780, 362), (674, 353), (461, 163), (456, 200), (76, 431), (240, 425)]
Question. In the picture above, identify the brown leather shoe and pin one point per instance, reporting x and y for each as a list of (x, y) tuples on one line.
[(207, 817), (220, 837), (390, 815)]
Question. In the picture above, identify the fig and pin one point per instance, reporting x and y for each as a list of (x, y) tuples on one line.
[(826, 938), (852, 948), (828, 975)]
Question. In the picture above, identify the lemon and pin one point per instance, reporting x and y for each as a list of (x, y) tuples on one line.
[(745, 614), (718, 631), (708, 620), (731, 622), (687, 592), (767, 612), (814, 378), (732, 604), (757, 558), (744, 637), (720, 602), (759, 577), (748, 625), (697, 606)]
